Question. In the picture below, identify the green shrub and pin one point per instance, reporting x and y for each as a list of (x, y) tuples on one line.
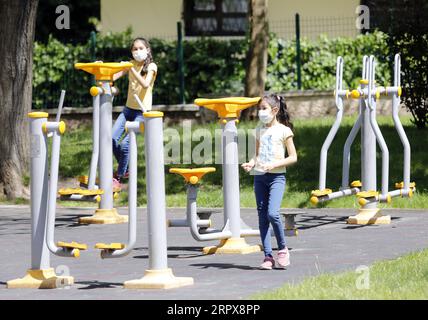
[(319, 61)]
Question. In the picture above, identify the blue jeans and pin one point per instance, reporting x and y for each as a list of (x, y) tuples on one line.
[(269, 189), (121, 140)]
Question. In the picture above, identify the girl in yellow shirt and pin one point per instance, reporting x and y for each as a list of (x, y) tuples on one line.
[(142, 77)]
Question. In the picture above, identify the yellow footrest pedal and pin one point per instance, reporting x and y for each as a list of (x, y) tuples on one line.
[(72, 245), (112, 246), (321, 193), (400, 185), (82, 192), (367, 194), (356, 184)]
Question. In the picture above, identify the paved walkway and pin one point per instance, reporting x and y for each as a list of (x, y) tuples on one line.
[(325, 244)]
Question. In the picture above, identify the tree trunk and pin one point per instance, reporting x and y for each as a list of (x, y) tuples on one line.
[(17, 27), (258, 53)]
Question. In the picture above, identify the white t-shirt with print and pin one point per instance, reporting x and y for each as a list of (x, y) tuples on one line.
[(272, 146)]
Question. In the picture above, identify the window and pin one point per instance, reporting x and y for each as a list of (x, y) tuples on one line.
[(216, 17)]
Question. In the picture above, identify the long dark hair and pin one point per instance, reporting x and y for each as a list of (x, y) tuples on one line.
[(149, 56), (276, 101)]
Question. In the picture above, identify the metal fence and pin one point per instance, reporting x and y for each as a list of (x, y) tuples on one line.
[(312, 27)]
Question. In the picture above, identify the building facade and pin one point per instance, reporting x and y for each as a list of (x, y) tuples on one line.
[(228, 17)]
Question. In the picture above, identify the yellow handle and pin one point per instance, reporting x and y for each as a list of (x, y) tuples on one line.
[(103, 71), (228, 107)]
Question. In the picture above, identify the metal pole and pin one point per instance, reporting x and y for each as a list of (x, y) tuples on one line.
[(156, 207), (368, 154), (180, 59), (352, 135), (231, 194), (106, 148), (95, 142), (375, 127), (158, 276), (333, 131), (298, 53), (39, 193), (396, 100)]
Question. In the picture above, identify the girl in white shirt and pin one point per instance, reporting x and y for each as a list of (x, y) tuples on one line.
[(274, 136)]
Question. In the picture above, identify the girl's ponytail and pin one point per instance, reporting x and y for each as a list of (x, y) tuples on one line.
[(283, 115)]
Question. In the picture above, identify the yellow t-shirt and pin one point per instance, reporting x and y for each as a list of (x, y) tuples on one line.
[(145, 94), (272, 146)]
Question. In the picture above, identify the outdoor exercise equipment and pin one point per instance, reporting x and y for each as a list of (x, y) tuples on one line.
[(368, 93), (158, 276), (44, 196), (234, 231), (41, 275), (102, 154)]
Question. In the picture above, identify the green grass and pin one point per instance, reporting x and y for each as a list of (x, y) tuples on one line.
[(400, 279), (301, 179)]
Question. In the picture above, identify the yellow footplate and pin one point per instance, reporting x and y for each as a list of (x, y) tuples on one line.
[(321, 193), (82, 192), (77, 247), (400, 185), (357, 184), (368, 194), (112, 246), (72, 245)]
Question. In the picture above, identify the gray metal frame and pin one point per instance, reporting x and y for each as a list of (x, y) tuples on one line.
[(133, 128), (40, 259), (156, 203), (95, 142), (367, 93), (339, 95)]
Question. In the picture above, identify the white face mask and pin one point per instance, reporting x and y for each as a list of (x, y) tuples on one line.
[(141, 55), (266, 116)]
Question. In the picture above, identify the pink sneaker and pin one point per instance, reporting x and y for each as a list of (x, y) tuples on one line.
[(283, 259), (268, 264), (116, 184)]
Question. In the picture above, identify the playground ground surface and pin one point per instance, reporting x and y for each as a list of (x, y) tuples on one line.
[(326, 244)]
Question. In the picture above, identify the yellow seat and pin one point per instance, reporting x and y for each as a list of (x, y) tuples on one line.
[(111, 246), (72, 245), (103, 71), (400, 185), (227, 107), (192, 176), (321, 193), (82, 192), (367, 194)]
